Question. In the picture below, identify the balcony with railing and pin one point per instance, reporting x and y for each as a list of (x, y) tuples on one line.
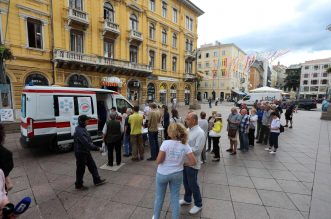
[(111, 28), (136, 36), (98, 63), (190, 55), (189, 77), (77, 16)]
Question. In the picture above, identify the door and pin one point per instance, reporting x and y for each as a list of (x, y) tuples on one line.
[(187, 98)]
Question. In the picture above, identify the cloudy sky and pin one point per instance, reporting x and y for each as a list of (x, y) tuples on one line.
[(263, 25)]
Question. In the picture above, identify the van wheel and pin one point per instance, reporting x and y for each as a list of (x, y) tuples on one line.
[(63, 148)]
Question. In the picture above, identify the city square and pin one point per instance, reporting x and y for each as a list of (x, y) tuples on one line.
[(294, 183)]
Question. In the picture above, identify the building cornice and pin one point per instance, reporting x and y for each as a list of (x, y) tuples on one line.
[(4, 1), (32, 10), (193, 7)]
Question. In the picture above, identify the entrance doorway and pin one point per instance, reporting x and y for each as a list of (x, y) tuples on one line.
[(134, 92), (187, 95), (163, 94)]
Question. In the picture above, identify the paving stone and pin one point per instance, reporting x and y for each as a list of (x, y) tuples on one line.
[(216, 178), (276, 199), (43, 193), (143, 213), (279, 213), (274, 165), (32, 212), (266, 184), (53, 209), (238, 171), (87, 207), (261, 173), (129, 195), (302, 202), (245, 195), (294, 187), (214, 191), (68, 199), (118, 211), (320, 209), (248, 211), (253, 164), (149, 198), (280, 174), (217, 209), (240, 181)]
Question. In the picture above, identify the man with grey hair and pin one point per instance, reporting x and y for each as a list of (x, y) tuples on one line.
[(232, 128), (112, 136), (126, 139), (265, 129), (196, 141)]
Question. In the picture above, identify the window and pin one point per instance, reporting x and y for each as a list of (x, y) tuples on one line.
[(164, 62), (133, 54), (76, 4), (325, 74), (189, 23), (207, 55), (188, 67), (152, 31), (152, 5), (174, 15), (306, 75), (325, 66), (316, 67), (306, 67), (206, 84), (324, 81), (315, 75), (164, 36), (313, 82), (223, 72), (108, 12), (164, 9), (76, 41), (108, 47), (215, 54), (189, 45), (35, 37), (223, 53), (134, 22), (36, 79), (305, 82), (199, 65), (174, 64), (174, 40), (199, 56), (207, 64), (151, 58), (314, 88), (77, 80), (23, 104), (306, 89), (122, 104)]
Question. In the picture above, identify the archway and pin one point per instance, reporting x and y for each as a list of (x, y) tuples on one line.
[(187, 93), (133, 93), (163, 93), (77, 80), (37, 79), (151, 92)]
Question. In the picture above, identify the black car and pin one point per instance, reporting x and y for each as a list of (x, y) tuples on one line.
[(306, 104)]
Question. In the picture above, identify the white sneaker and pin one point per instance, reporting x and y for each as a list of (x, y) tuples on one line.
[(183, 202), (153, 217), (195, 210), (267, 149), (273, 152)]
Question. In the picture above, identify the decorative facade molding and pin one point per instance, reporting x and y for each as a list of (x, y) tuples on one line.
[(26, 16), (32, 10)]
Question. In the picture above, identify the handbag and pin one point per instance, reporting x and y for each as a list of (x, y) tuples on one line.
[(214, 134), (232, 133), (9, 183)]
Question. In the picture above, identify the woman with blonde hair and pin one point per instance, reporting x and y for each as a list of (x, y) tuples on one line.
[(170, 162)]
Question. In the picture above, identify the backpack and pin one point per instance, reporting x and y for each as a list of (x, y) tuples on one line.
[(281, 128)]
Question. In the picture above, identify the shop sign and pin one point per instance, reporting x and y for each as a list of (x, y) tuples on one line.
[(111, 82), (6, 115), (168, 79)]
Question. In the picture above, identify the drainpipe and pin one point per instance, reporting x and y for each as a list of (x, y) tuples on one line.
[(52, 42)]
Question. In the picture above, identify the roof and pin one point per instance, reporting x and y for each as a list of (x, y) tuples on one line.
[(219, 45), (317, 61), (265, 89), (59, 88), (193, 7)]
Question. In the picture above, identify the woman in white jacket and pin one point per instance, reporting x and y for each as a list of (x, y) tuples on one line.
[(274, 133)]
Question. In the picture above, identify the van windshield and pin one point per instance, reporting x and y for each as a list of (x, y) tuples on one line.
[(122, 105), (247, 97)]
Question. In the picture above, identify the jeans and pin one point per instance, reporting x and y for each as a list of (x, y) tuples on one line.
[(82, 160), (190, 179), (258, 129), (243, 138), (251, 136), (216, 147), (209, 143), (111, 147), (127, 144), (174, 180), (264, 134), (273, 140), (154, 144)]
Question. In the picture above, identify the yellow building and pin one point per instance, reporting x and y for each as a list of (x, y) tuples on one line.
[(145, 49)]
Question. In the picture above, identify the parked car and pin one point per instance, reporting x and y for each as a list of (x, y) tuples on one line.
[(307, 104)]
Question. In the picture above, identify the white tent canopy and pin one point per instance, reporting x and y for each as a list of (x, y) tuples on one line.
[(265, 89)]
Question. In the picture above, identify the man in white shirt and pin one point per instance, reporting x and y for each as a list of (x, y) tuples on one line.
[(203, 123), (196, 141)]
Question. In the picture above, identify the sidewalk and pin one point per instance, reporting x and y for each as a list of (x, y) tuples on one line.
[(294, 183)]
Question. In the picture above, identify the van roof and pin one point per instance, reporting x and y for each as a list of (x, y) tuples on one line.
[(58, 88)]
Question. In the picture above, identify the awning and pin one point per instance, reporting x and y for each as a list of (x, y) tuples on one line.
[(111, 82), (239, 92)]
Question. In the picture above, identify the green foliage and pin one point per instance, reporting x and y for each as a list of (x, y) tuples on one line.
[(292, 80), (5, 53), (328, 70)]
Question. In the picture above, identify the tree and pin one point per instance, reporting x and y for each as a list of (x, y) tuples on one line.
[(5, 54), (292, 80), (328, 70)]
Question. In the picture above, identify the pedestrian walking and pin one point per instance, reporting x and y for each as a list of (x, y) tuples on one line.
[(252, 126), (190, 173), (265, 129), (112, 136), (165, 121), (243, 131), (289, 115), (274, 133), (82, 146), (211, 121), (154, 118), (170, 162), (209, 102), (175, 118), (127, 130), (215, 134), (232, 128), (259, 113), (136, 138), (203, 124)]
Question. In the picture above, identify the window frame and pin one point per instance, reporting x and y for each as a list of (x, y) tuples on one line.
[(152, 5), (175, 15), (164, 36), (164, 9), (110, 10), (36, 25), (133, 53), (77, 33), (134, 22), (152, 30), (163, 61), (174, 64), (151, 60), (112, 51), (174, 40), (75, 4)]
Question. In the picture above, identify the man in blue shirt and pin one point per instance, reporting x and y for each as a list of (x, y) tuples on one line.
[(243, 131), (259, 113)]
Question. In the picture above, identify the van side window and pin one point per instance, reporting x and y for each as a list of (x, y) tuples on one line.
[(121, 104), (76, 105), (23, 111), (247, 97)]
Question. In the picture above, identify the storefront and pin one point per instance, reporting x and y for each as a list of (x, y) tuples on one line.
[(133, 93), (36, 79), (163, 93), (173, 92), (187, 93), (111, 83), (151, 92), (77, 80)]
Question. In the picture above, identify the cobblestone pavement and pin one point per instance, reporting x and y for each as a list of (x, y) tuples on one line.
[(294, 183)]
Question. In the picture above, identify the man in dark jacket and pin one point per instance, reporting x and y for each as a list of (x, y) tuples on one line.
[(112, 137), (82, 146)]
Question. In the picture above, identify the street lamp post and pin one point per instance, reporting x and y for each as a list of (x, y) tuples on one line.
[(327, 115)]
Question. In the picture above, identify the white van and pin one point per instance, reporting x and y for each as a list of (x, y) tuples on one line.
[(251, 98), (49, 114)]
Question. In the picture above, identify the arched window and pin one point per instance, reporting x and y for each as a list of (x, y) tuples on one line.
[(36, 79), (78, 81), (134, 22), (174, 40), (108, 12), (164, 36)]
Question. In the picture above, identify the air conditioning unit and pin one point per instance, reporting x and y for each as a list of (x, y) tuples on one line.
[(136, 84)]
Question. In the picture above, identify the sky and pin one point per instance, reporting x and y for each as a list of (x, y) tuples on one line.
[(265, 25)]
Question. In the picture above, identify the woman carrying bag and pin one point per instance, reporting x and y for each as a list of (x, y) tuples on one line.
[(211, 121), (215, 135)]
